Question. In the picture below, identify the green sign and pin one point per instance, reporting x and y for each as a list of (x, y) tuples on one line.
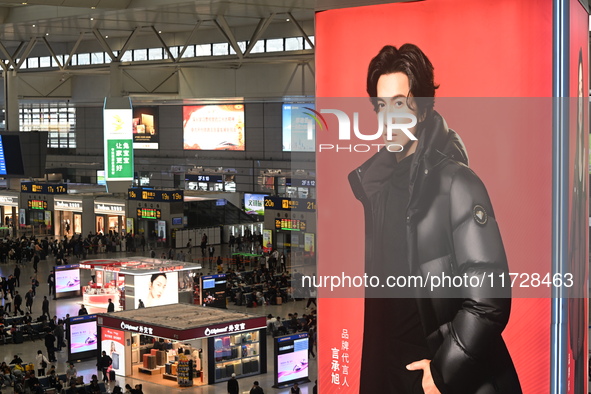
[(120, 159)]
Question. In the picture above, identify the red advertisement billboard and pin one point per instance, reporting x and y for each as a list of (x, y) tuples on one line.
[(494, 91)]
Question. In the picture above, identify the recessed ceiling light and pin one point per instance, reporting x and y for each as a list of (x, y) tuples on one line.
[(24, 3), (287, 20), (91, 19), (34, 25), (93, 8), (106, 36), (46, 34), (159, 31)]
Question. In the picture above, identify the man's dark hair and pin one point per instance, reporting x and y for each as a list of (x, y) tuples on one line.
[(412, 62)]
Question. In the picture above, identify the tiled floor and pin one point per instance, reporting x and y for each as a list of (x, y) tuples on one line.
[(28, 349)]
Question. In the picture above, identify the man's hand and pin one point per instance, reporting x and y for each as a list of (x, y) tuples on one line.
[(428, 384)]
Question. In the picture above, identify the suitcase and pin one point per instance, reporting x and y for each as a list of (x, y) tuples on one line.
[(238, 368), (279, 300), (160, 357), (111, 375), (173, 369), (145, 360), (168, 368), (151, 362), (218, 374)]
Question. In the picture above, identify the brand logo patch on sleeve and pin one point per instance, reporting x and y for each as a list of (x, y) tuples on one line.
[(480, 215)]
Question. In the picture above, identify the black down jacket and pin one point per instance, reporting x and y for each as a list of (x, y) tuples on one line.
[(451, 229)]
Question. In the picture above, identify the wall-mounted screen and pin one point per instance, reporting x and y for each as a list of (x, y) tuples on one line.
[(299, 127), (145, 128), (213, 127), (254, 204)]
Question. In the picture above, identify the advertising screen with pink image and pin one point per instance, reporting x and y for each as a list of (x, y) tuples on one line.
[(83, 337), (67, 280)]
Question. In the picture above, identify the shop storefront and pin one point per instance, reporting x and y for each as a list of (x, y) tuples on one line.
[(8, 212), (128, 281), (110, 216), (184, 345), (67, 217)]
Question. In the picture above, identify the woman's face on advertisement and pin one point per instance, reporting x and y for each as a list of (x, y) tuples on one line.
[(393, 97), (158, 287)]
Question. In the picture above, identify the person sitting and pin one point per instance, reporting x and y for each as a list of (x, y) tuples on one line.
[(93, 387), (54, 381), (16, 360)]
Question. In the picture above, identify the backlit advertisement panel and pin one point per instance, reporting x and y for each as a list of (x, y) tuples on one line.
[(118, 144), (254, 204), (298, 127), (113, 342), (67, 280), (156, 289), (501, 224), (145, 128), (83, 337), (213, 127)]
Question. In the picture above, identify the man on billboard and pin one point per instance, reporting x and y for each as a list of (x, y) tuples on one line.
[(427, 213)]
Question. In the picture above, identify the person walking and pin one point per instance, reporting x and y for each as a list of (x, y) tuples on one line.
[(29, 297), (111, 307), (8, 301), (45, 308), (233, 385), (18, 301)]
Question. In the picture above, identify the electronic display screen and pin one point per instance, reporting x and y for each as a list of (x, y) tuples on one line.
[(161, 288), (299, 127), (213, 127), (83, 337), (254, 204), (67, 280), (292, 358), (213, 291)]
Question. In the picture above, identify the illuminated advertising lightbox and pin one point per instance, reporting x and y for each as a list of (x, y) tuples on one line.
[(267, 240), (254, 204), (291, 359), (113, 342), (83, 337), (436, 189), (118, 140), (299, 127), (67, 280), (213, 127), (213, 291), (156, 289), (145, 128)]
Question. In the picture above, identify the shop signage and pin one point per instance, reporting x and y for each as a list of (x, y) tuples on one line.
[(44, 188), (225, 330), (290, 204), (175, 268), (9, 200), (115, 209), (139, 328), (155, 195), (64, 205), (37, 204), (149, 213), (118, 139)]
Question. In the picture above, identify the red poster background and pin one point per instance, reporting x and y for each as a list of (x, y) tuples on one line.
[(513, 59)]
